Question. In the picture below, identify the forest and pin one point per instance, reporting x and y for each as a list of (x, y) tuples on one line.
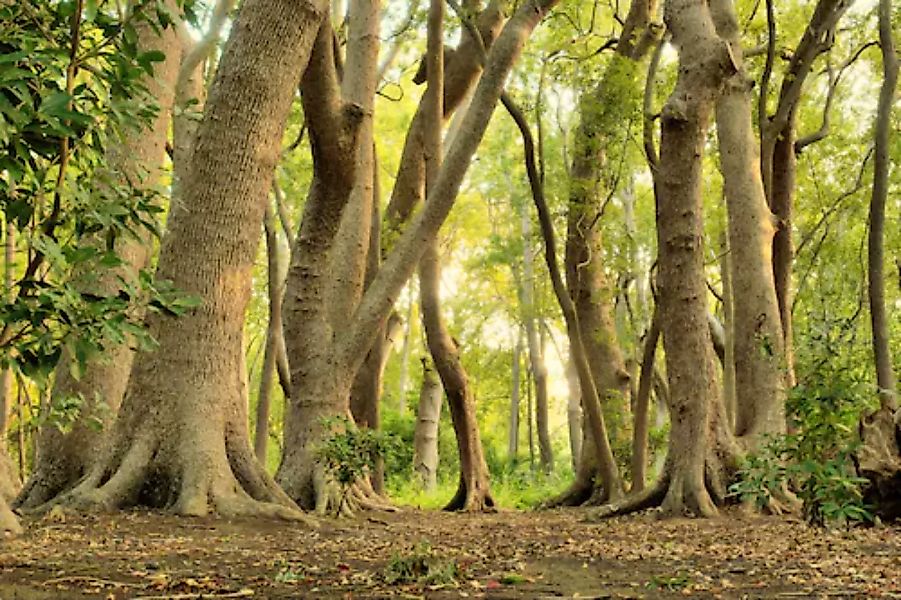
[(489, 298)]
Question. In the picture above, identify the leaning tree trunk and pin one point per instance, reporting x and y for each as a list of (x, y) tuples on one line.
[(324, 365), (473, 493), (779, 161), (879, 458), (425, 437), (64, 457), (181, 438)]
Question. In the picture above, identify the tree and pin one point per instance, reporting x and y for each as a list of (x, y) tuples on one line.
[(323, 369), (181, 437), (64, 457)]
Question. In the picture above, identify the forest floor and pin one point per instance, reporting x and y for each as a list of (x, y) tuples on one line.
[(551, 554)]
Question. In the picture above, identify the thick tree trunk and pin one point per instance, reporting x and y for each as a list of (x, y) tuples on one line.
[(323, 367), (758, 336), (704, 61), (600, 112), (8, 487), (181, 438), (320, 388), (64, 457), (425, 437)]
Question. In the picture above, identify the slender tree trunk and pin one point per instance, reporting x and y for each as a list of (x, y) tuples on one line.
[(574, 415), (642, 405), (9, 255), (405, 357), (778, 160), (473, 493), (601, 111), (181, 439), (425, 437), (64, 457), (273, 337), (515, 382), (879, 458), (536, 356), (885, 374), (726, 265)]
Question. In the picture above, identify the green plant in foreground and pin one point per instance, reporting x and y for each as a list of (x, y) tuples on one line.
[(350, 453), (421, 566)]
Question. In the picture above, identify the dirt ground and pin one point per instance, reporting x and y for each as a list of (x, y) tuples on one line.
[(425, 554)]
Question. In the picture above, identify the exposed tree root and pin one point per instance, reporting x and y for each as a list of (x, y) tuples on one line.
[(9, 524), (649, 497), (227, 483), (579, 492), (471, 499), (879, 461)]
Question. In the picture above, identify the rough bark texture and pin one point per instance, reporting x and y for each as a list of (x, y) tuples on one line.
[(64, 457), (586, 279), (181, 438), (726, 264), (324, 366), (425, 437), (758, 336), (704, 62), (319, 388), (574, 415)]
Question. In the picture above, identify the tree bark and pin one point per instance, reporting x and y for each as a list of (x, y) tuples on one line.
[(515, 386), (642, 405), (885, 374), (274, 336), (8, 486), (181, 438), (425, 437), (758, 337), (9, 254), (778, 159), (323, 368), (536, 356), (601, 111), (574, 415), (879, 458), (704, 62), (64, 457)]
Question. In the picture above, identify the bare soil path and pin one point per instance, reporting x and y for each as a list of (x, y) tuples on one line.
[(425, 554)]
